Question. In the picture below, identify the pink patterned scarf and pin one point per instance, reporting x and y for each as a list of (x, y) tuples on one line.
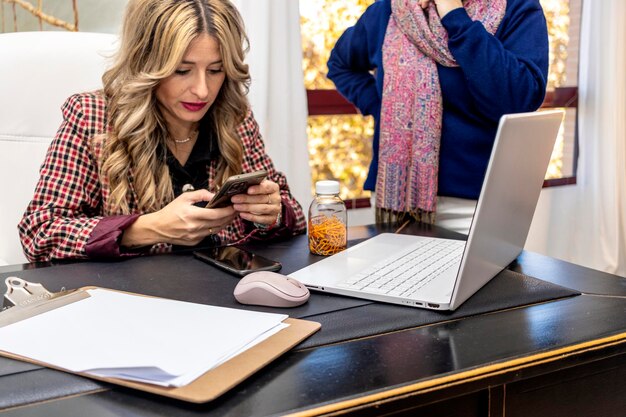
[(411, 112)]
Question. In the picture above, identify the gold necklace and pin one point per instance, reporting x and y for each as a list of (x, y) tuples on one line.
[(191, 135)]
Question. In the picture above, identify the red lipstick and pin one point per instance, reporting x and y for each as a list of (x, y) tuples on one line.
[(193, 106)]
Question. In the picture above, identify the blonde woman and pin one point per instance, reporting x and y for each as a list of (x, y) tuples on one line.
[(133, 165)]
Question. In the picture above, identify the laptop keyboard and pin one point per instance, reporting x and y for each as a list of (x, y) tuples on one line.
[(403, 275)]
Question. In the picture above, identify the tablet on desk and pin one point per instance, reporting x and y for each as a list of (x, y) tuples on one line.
[(236, 260)]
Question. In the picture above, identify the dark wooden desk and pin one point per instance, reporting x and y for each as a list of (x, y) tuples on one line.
[(560, 358)]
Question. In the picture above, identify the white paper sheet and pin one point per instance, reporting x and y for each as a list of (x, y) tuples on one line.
[(153, 340)]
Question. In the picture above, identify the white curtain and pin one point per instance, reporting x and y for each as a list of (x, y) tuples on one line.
[(277, 93), (602, 128), (586, 223)]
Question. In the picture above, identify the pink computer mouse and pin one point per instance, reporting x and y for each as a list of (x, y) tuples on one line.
[(271, 289)]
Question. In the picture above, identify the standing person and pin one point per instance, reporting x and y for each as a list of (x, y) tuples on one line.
[(172, 117), (445, 71)]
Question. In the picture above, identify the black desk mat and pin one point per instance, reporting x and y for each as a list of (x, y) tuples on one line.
[(508, 289), (11, 366), (182, 277), (42, 385)]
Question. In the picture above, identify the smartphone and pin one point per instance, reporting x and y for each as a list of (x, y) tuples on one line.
[(236, 261), (237, 184)]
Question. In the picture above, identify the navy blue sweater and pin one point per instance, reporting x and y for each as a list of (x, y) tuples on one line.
[(500, 74)]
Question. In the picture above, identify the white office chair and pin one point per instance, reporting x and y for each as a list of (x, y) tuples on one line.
[(38, 71)]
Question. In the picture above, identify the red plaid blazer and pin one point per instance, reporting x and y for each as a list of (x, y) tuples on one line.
[(70, 196)]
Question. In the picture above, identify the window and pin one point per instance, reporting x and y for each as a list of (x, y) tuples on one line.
[(340, 138), (563, 18)]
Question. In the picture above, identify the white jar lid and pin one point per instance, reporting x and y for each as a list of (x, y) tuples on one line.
[(327, 187)]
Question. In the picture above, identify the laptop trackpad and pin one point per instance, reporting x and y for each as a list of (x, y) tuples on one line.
[(439, 290)]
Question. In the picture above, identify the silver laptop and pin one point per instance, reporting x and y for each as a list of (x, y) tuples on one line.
[(441, 274)]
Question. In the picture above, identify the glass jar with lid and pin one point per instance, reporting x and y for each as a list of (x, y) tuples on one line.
[(328, 220)]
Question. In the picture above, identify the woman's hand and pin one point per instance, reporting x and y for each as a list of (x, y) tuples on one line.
[(443, 6), (262, 203), (179, 223)]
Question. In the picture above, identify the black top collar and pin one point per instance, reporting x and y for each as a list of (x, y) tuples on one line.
[(195, 172)]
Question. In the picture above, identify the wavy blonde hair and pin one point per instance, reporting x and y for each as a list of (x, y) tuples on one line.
[(155, 37)]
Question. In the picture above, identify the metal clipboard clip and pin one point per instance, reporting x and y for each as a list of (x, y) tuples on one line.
[(28, 299)]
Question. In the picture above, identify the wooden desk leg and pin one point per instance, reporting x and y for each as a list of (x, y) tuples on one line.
[(497, 396)]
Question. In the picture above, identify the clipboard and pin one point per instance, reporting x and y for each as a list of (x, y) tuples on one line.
[(31, 299)]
